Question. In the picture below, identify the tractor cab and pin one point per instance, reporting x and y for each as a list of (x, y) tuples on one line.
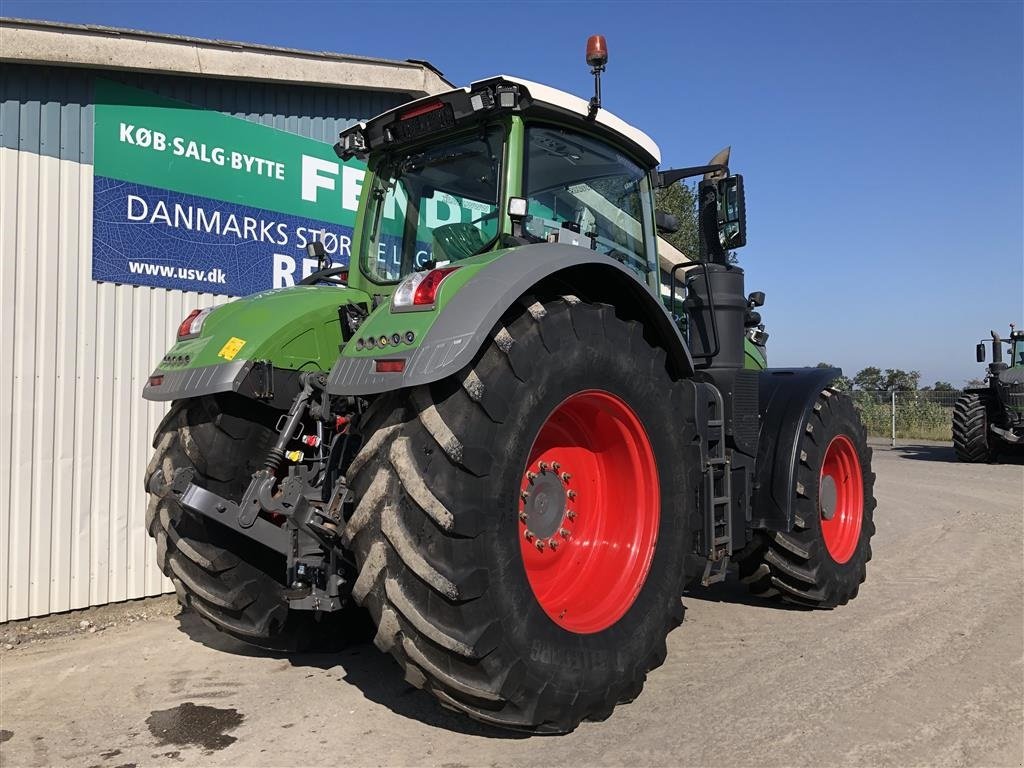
[(1016, 348), (496, 165)]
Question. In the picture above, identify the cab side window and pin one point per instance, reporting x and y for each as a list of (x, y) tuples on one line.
[(580, 183)]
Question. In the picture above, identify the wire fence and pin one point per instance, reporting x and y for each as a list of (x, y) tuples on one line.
[(913, 415)]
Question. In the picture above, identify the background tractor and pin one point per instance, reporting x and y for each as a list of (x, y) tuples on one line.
[(990, 420), (519, 457)]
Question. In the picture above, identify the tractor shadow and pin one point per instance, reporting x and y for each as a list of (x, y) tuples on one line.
[(732, 590), (356, 661), (945, 453), (925, 452)]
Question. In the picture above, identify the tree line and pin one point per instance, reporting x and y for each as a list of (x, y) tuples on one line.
[(872, 379)]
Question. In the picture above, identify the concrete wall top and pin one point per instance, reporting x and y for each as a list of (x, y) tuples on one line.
[(77, 45)]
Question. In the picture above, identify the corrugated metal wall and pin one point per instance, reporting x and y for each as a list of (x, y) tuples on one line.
[(74, 354)]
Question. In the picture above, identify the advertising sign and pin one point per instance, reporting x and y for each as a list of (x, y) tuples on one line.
[(195, 200)]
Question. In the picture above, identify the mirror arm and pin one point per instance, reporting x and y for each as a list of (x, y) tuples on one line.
[(666, 178)]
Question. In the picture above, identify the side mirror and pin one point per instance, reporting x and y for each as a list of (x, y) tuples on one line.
[(732, 212), (665, 223), (315, 250), (980, 352), (756, 299)]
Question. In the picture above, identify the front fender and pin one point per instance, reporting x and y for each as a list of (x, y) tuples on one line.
[(787, 397), (291, 329), (455, 333)]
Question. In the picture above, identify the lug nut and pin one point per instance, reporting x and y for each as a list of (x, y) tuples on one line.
[(522, 517), (540, 545), (543, 466), (531, 476), (528, 534), (553, 543), (571, 495), (555, 466), (524, 495), (570, 514), (564, 532), (566, 477)]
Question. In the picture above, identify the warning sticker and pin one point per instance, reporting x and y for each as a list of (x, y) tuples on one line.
[(229, 350)]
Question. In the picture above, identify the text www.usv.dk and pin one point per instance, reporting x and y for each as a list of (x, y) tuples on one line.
[(215, 275)]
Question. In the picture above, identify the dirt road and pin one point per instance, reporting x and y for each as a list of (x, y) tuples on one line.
[(924, 668)]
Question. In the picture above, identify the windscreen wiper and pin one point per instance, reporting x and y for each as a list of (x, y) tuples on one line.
[(420, 162)]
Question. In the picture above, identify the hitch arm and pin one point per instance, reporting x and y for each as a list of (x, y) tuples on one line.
[(217, 508)]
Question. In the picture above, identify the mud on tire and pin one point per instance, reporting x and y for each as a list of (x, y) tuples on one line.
[(436, 529), (229, 580), (812, 565)]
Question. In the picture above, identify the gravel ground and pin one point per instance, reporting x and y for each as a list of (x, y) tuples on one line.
[(924, 668)]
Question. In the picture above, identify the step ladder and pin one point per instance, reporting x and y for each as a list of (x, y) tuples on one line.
[(716, 498)]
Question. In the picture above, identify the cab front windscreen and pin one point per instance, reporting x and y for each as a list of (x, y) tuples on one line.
[(435, 203)]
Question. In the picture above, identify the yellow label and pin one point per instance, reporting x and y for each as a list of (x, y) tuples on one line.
[(229, 350)]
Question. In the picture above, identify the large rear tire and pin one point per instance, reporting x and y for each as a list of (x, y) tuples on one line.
[(230, 581), (822, 562), (484, 587), (971, 439)]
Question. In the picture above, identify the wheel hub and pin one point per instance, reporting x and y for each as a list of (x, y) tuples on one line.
[(545, 505), (827, 497)]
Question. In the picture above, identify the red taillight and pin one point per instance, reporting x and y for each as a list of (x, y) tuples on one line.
[(426, 291), (185, 329), (389, 366), (192, 325), (421, 109)]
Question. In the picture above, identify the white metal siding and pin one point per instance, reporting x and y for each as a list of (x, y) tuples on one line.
[(76, 433), (74, 354)]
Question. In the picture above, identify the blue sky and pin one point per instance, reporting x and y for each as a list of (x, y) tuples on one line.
[(881, 143)]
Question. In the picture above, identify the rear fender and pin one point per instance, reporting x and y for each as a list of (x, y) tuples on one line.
[(466, 321), (787, 397)]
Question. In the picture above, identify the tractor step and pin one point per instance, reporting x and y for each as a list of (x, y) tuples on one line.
[(716, 495)]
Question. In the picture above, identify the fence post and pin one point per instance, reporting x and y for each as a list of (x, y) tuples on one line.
[(893, 444)]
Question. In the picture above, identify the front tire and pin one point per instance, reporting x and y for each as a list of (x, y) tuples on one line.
[(822, 562), (971, 439), (492, 622)]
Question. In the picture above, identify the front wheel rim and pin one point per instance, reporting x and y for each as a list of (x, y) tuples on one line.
[(841, 498), (589, 511)]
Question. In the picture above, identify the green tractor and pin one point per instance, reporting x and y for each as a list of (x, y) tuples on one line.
[(489, 432), (989, 420)]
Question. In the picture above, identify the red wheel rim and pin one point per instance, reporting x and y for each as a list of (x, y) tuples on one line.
[(841, 498), (588, 512)]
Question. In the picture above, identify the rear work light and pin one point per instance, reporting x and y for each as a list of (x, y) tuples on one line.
[(192, 325), (419, 290)]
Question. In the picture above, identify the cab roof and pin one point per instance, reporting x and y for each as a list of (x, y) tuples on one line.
[(398, 126), (581, 107)]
